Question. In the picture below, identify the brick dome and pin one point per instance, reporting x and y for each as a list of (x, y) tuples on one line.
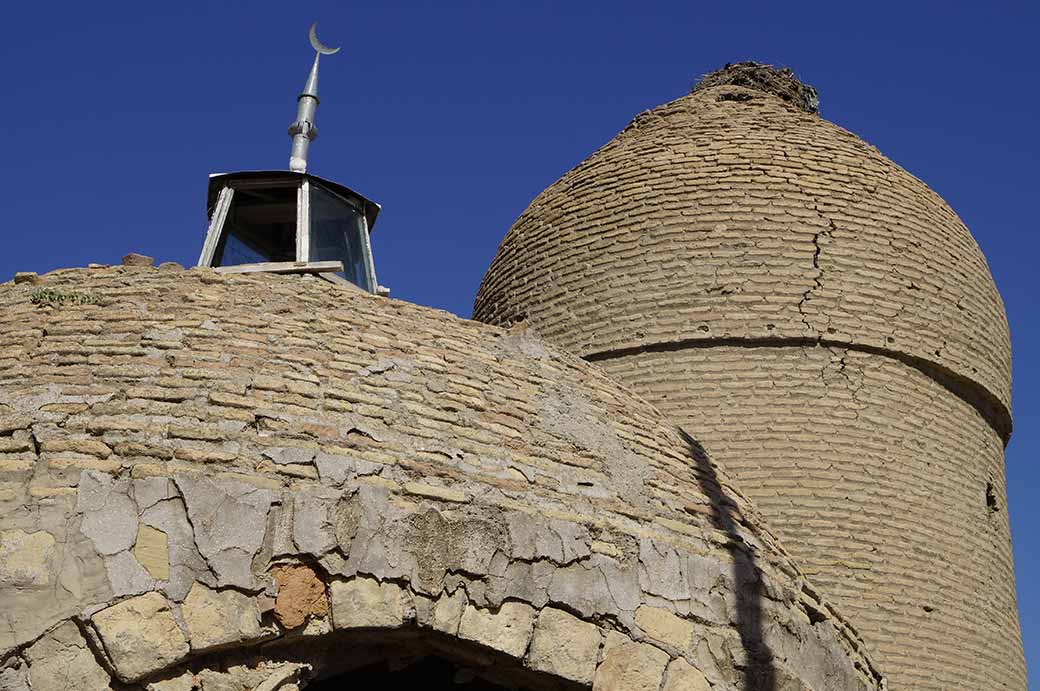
[(826, 325), (732, 213), (207, 463)]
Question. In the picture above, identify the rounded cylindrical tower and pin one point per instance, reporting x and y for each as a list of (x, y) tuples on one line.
[(825, 323)]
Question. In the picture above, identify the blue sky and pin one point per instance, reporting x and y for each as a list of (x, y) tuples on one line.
[(455, 115)]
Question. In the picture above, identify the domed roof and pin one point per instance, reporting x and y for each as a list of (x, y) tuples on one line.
[(196, 444), (734, 212)]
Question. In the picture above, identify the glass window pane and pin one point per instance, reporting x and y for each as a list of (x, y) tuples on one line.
[(260, 227), (338, 232)]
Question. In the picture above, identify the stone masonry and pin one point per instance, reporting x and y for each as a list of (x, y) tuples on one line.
[(252, 482)]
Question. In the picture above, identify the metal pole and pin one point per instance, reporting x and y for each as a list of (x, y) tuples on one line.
[(303, 131)]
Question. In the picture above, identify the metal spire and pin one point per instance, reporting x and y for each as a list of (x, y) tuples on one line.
[(303, 131)]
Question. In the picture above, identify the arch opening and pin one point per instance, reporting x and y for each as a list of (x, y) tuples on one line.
[(434, 673)]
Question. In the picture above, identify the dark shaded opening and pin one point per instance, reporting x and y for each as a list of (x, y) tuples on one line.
[(260, 227), (429, 673), (991, 498), (735, 96), (406, 657)]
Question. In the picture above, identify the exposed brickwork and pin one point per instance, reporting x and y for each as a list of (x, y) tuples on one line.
[(447, 483), (708, 219), (876, 478), (828, 327)]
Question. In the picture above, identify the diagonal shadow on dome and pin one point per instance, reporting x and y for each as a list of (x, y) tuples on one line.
[(760, 674)]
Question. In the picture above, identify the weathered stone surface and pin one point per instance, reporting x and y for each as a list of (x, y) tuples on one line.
[(134, 259), (216, 618), (62, 660), (245, 677), (631, 666), (109, 514), (168, 515), (666, 627), (301, 594), (75, 572), (565, 646), (508, 630), (229, 520), (542, 447), (447, 612), (26, 277), (126, 576), (596, 586), (365, 602), (14, 678), (282, 678), (181, 682), (152, 552), (682, 676), (314, 530), (559, 541), (140, 636), (25, 558), (420, 489), (90, 447)]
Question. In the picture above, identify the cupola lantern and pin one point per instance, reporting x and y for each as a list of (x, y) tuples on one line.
[(292, 221)]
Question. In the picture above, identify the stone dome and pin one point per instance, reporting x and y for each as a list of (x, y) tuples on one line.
[(731, 213), (825, 324), (255, 480)]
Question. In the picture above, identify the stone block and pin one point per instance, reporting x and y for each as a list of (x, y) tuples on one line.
[(447, 613), (365, 602), (508, 630), (62, 660), (26, 277), (229, 520), (565, 646), (665, 627), (181, 682), (682, 676), (216, 618), (25, 558), (433, 492), (134, 259), (88, 447), (13, 678), (152, 552), (301, 595), (140, 636), (631, 666), (109, 514)]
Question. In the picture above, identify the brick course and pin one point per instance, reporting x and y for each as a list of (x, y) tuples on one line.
[(828, 327), (180, 441)]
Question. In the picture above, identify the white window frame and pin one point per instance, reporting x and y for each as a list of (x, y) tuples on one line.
[(216, 224), (303, 224), (366, 238)]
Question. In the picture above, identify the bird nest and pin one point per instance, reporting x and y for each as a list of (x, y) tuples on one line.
[(778, 81)]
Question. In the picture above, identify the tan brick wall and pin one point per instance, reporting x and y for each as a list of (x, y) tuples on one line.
[(705, 220), (711, 256), (876, 478)]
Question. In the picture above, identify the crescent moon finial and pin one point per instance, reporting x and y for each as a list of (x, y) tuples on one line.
[(318, 45)]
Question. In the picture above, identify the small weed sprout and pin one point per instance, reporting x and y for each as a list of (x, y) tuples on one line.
[(53, 297)]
